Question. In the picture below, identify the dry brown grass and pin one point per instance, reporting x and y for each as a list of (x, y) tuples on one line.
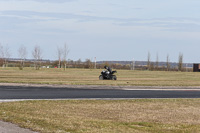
[(76, 116), (90, 77)]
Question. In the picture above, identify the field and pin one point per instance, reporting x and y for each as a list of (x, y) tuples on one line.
[(88, 116), (90, 77), (105, 116)]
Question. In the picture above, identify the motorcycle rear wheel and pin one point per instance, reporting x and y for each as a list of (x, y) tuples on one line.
[(114, 77)]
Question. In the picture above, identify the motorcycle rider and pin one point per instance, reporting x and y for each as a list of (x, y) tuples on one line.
[(109, 70)]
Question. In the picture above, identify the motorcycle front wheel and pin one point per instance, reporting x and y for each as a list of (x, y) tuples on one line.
[(101, 77)]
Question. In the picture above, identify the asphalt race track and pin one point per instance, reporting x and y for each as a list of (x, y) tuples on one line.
[(19, 92)]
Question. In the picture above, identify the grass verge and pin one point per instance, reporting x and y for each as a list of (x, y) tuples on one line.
[(85, 116)]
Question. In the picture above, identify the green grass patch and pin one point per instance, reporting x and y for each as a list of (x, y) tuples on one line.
[(82, 116)]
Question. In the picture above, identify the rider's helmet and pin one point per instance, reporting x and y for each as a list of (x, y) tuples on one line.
[(105, 67)]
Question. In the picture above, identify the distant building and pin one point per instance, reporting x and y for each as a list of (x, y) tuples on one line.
[(196, 67)]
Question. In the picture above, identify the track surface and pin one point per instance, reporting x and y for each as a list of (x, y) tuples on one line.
[(22, 92)]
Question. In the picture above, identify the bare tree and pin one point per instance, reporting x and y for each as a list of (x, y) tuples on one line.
[(37, 55), (59, 55), (5, 54), (2, 55), (95, 63), (148, 60), (180, 62), (65, 54), (167, 63), (157, 61), (22, 54)]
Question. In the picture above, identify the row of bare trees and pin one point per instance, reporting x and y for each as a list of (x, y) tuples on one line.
[(150, 65), (36, 53), (62, 53), (5, 54)]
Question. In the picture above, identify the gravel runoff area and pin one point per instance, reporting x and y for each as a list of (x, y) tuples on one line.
[(6, 127)]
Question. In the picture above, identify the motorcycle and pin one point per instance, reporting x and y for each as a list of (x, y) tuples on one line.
[(108, 74)]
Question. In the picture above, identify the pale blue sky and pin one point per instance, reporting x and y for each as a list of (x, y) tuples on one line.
[(106, 29)]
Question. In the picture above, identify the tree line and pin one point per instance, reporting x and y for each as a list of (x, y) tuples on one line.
[(63, 62), (155, 65), (37, 55)]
